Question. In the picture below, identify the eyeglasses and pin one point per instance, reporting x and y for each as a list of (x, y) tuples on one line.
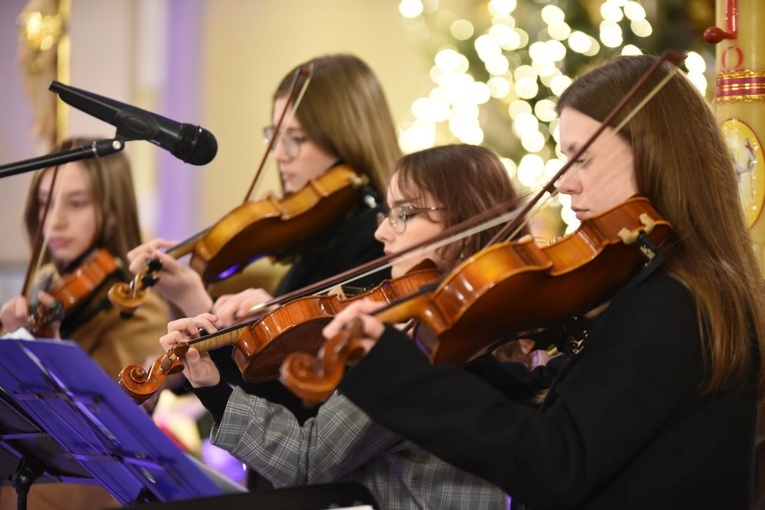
[(290, 143), (398, 215)]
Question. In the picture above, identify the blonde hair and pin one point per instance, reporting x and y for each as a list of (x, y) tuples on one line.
[(680, 155), (111, 182), (344, 111)]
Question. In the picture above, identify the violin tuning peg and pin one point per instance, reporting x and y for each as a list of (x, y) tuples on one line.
[(149, 280)]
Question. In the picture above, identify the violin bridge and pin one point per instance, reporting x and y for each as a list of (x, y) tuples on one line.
[(641, 236)]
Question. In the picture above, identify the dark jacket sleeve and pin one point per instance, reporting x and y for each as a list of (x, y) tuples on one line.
[(214, 398), (639, 363), (514, 379)]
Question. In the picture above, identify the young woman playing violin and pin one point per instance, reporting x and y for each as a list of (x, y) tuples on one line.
[(343, 117), (658, 408), (92, 219), (431, 190)]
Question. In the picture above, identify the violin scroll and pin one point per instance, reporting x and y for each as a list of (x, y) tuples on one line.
[(141, 384), (313, 378), (127, 297)]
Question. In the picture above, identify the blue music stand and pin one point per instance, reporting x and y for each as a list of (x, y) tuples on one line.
[(108, 440)]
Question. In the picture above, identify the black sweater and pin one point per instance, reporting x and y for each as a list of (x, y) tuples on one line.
[(624, 425)]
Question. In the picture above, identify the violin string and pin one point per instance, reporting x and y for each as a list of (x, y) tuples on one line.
[(548, 189), (259, 310), (419, 252)]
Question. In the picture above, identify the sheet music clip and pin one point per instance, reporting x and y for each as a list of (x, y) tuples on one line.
[(62, 419)]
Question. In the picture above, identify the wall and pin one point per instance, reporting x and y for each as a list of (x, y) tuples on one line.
[(213, 63)]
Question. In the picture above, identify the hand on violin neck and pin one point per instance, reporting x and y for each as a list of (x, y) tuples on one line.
[(42, 317), (371, 328), (175, 281), (188, 328), (14, 313), (198, 368), (139, 256), (235, 308)]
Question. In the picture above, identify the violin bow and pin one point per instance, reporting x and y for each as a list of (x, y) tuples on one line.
[(129, 297), (40, 240), (294, 96), (668, 56), (514, 221), (186, 246)]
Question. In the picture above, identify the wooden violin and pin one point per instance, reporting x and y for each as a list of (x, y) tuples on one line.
[(272, 226), (267, 226), (71, 290), (500, 292), (261, 345), (511, 287)]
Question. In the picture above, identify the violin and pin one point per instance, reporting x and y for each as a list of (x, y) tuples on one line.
[(502, 291), (276, 226), (71, 290), (261, 346), (268, 226)]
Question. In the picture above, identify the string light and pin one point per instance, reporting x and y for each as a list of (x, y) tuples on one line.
[(527, 74)]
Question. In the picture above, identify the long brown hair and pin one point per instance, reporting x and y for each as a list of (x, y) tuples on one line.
[(465, 180), (344, 111), (680, 155), (113, 194)]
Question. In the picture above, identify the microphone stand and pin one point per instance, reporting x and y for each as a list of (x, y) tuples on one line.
[(96, 149)]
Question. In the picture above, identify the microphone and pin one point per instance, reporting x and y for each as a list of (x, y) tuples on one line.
[(191, 144)]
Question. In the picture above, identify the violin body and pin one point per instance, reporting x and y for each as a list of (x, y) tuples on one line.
[(518, 287), (502, 292), (271, 226), (296, 326), (72, 290), (261, 346)]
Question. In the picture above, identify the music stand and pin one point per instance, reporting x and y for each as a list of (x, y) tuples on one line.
[(28, 454), (71, 422)]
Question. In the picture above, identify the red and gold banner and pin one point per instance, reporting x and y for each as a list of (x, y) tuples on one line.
[(740, 101)]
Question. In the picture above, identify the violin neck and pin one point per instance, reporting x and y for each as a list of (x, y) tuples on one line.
[(187, 246), (217, 340)]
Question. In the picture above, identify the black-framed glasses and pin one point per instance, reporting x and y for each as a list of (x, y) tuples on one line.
[(291, 143), (398, 215)]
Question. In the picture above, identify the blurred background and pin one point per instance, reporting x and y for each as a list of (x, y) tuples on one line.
[(473, 71)]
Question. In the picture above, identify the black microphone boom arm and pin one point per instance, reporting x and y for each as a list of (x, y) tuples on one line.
[(191, 144)]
